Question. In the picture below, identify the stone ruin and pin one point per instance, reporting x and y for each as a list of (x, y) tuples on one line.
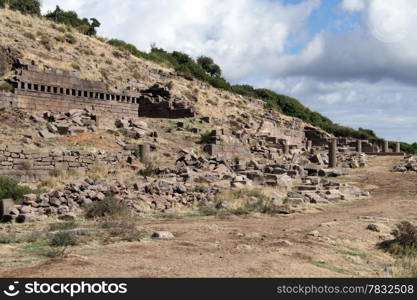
[(61, 91)]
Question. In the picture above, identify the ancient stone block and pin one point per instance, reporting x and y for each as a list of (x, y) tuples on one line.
[(6, 206)]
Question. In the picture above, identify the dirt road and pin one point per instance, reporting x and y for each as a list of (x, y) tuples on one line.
[(259, 245)]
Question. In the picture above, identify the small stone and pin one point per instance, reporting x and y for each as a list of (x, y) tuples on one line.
[(27, 199), (314, 233), (24, 218), (163, 235), (373, 227), (6, 206)]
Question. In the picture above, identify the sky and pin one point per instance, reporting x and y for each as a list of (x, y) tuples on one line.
[(354, 61)]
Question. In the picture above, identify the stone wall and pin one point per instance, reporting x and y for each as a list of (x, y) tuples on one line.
[(27, 165), (227, 151), (38, 101), (292, 136), (57, 90)]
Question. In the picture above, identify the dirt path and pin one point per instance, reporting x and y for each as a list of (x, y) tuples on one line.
[(258, 245)]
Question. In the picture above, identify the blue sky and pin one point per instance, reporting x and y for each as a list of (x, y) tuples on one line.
[(354, 61)]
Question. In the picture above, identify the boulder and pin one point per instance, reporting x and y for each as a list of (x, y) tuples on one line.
[(6, 206)]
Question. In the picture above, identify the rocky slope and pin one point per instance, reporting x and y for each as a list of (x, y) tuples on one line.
[(79, 157)]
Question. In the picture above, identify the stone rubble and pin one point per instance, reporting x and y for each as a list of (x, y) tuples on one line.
[(70, 123), (409, 165)]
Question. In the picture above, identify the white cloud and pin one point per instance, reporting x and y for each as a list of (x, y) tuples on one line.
[(239, 34), (353, 5), (364, 77)]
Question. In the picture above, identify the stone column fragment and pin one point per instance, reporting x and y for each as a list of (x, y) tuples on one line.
[(332, 154), (144, 153), (385, 148), (359, 146)]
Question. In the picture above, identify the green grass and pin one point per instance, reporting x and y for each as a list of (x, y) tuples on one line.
[(37, 249)]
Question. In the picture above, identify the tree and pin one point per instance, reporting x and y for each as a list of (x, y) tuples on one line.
[(181, 58), (31, 7), (71, 18), (93, 25), (2, 3), (209, 66)]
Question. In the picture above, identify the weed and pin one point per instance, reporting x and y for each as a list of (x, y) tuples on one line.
[(6, 87), (206, 138), (109, 207), (63, 239), (404, 242), (10, 188), (29, 35)]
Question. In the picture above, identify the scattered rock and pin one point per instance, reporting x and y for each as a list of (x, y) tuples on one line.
[(373, 227), (163, 235)]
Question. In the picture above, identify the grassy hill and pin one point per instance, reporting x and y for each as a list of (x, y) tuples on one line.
[(72, 44)]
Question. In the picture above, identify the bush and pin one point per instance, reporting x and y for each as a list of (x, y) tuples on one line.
[(63, 239), (29, 35), (117, 54), (10, 188), (209, 66), (5, 87), (404, 242), (70, 18), (69, 38), (44, 40), (124, 230), (31, 7), (2, 3), (109, 207), (205, 138)]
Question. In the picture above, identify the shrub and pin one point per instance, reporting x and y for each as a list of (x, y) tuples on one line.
[(61, 29), (109, 207), (5, 87), (404, 242), (70, 18), (2, 3), (150, 169), (63, 239), (44, 41), (75, 66), (124, 230), (60, 38), (69, 38), (62, 226), (31, 7), (205, 138), (10, 188), (117, 54), (209, 66), (29, 35)]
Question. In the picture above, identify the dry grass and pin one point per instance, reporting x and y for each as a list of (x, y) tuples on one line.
[(92, 54)]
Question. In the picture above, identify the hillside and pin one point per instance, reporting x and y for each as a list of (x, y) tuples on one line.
[(105, 146)]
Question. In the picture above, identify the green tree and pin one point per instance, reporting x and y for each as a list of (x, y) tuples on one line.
[(181, 58), (209, 66), (71, 18), (31, 7), (2, 3), (93, 25)]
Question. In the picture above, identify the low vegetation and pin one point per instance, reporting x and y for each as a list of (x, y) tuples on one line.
[(5, 87), (239, 202), (109, 207), (10, 189), (404, 246), (70, 18), (203, 68)]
